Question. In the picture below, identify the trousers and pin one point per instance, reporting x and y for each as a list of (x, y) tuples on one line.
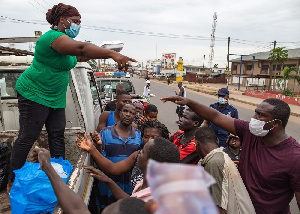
[(33, 117)]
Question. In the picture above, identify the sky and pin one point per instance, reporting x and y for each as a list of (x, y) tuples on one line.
[(150, 28)]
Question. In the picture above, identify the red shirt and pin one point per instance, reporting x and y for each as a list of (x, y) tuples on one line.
[(271, 174), (188, 153)]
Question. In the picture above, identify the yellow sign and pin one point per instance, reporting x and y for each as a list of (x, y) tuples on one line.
[(179, 72)]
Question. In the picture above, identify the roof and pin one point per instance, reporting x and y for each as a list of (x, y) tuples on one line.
[(292, 54)]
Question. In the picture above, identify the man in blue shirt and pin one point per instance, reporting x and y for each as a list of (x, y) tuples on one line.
[(222, 106), (119, 142)]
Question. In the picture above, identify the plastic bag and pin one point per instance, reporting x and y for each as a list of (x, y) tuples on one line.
[(5, 150), (32, 191), (180, 188)]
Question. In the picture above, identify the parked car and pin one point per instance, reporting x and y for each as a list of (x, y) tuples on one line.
[(127, 75), (106, 97)]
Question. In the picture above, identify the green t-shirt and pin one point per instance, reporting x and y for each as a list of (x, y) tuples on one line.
[(46, 80)]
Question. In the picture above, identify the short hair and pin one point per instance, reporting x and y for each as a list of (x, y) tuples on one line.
[(280, 111), (61, 10), (164, 151), (132, 205), (231, 136), (155, 124), (121, 93), (196, 117), (151, 108), (120, 87), (128, 104), (206, 135)]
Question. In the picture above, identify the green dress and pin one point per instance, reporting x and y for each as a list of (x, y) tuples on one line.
[(46, 80)]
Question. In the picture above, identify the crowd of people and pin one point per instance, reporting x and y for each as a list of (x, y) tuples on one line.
[(250, 167), (256, 169)]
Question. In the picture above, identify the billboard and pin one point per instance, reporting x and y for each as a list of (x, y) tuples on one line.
[(168, 61)]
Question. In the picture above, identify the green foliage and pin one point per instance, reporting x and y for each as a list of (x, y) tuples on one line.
[(288, 73), (288, 92), (278, 55)]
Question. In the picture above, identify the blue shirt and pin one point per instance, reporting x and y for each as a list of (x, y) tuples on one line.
[(111, 119), (228, 110), (116, 149)]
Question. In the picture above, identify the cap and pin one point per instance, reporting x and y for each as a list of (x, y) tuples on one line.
[(223, 91), (147, 81)]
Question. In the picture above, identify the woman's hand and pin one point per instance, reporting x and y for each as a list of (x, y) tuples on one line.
[(121, 60), (96, 173), (84, 143)]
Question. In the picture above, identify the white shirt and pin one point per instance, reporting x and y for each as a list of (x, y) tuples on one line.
[(146, 91)]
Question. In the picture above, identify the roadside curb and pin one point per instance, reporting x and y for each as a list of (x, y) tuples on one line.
[(213, 91)]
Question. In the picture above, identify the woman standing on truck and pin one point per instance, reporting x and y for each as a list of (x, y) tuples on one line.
[(42, 87)]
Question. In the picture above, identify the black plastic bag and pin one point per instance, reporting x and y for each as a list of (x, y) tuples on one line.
[(5, 151)]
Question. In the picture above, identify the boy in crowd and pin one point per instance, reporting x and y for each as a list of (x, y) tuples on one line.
[(229, 192), (184, 139)]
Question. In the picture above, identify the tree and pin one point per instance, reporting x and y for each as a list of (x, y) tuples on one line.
[(289, 73), (277, 55)]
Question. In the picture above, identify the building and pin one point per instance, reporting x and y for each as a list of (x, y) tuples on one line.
[(255, 69)]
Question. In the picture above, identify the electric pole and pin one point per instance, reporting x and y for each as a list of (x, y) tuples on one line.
[(227, 70)]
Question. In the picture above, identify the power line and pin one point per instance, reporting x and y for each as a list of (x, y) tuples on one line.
[(152, 34)]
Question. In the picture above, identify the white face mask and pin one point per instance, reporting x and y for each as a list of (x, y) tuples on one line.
[(256, 127), (221, 100)]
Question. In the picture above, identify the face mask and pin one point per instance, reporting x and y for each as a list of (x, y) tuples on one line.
[(256, 127), (221, 100), (73, 31)]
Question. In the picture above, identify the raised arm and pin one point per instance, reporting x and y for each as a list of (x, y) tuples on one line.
[(65, 45), (105, 164), (207, 113), (68, 200)]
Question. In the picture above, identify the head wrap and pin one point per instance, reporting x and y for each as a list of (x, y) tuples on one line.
[(61, 10)]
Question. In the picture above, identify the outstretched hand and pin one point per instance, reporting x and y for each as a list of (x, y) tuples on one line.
[(84, 143), (96, 137), (176, 99), (40, 155), (96, 173), (122, 60)]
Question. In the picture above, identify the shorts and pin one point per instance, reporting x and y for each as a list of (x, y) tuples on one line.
[(179, 110)]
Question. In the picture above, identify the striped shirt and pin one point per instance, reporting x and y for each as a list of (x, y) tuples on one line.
[(116, 149)]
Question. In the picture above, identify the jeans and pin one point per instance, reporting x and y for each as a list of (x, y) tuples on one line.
[(32, 118)]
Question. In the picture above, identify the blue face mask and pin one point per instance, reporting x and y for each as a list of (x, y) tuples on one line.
[(73, 31), (222, 100)]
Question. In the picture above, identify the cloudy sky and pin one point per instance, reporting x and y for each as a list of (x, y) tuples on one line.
[(150, 28)]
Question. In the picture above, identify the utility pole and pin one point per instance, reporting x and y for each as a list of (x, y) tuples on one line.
[(227, 75), (271, 69)]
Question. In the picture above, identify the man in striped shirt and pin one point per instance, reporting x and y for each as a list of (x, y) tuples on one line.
[(119, 142)]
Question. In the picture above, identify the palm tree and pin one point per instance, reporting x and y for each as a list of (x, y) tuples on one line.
[(277, 55), (289, 73)]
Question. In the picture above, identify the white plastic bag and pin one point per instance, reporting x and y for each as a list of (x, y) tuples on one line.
[(180, 188)]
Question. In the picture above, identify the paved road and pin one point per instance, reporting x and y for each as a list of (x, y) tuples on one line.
[(167, 115)]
